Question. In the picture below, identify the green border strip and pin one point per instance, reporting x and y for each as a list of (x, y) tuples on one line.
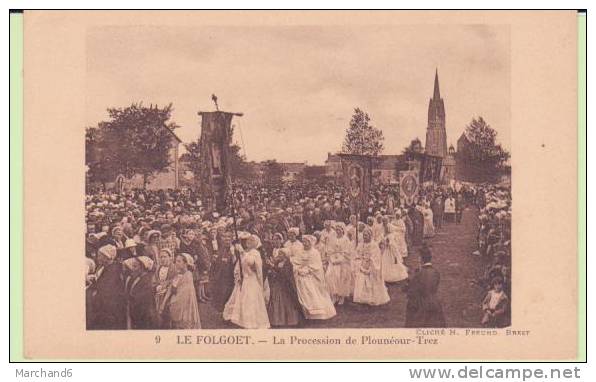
[(16, 187), (581, 184), (16, 199)]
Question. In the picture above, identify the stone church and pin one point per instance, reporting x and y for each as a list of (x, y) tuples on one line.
[(436, 135), (453, 164)]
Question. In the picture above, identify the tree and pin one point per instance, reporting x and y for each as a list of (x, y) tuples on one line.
[(415, 146), (136, 140), (361, 137), (484, 151), (273, 172), (100, 166), (239, 168), (192, 156)]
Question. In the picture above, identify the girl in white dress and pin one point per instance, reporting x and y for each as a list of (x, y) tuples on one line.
[(293, 245), (246, 306), (377, 228), (327, 241), (361, 227), (399, 227), (369, 287), (394, 269), (339, 271), (429, 227), (352, 229), (318, 246), (310, 283)]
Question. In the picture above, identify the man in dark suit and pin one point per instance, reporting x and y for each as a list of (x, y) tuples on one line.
[(459, 207), (438, 208), (424, 309)]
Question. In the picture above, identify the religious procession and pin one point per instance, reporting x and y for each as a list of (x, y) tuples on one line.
[(154, 257), (429, 245)]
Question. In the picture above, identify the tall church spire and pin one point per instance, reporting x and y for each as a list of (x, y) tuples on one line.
[(436, 135), (436, 93)]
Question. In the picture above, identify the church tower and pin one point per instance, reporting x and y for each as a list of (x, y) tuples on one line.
[(436, 136)]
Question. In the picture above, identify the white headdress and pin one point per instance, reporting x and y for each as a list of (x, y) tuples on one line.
[(146, 261), (189, 260), (108, 251)]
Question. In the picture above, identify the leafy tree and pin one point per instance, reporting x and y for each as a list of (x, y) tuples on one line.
[(415, 146), (135, 140), (192, 156), (240, 169), (361, 137), (484, 151), (273, 172), (101, 168)]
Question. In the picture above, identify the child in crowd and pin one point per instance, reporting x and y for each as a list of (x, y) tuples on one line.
[(495, 306)]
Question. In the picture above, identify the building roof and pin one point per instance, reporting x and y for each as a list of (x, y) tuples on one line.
[(389, 162), (332, 158), (382, 162), (293, 167), (464, 137)]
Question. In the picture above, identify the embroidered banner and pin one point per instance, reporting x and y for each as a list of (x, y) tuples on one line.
[(408, 186)]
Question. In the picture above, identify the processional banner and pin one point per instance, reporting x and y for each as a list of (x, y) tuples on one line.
[(408, 186), (357, 177), (216, 137)]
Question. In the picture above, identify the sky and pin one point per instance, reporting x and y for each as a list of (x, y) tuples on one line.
[(298, 85)]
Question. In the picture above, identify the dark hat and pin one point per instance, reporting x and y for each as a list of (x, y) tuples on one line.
[(425, 253), (496, 280)]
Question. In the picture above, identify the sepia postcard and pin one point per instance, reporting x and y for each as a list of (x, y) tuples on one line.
[(300, 185)]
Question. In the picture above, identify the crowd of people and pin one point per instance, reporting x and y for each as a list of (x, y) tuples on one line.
[(494, 246), (290, 253)]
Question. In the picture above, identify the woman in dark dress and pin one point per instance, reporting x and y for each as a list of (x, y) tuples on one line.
[(409, 231), (109, 304), (283, 307), (418, 222), (89, 292), (138, 288), (222, 279)]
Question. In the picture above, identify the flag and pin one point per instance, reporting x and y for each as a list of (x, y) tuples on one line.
[(216, 138), (408, 186), (357, 177)]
